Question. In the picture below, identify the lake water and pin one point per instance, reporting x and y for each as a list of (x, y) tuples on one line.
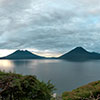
[(64, 75)]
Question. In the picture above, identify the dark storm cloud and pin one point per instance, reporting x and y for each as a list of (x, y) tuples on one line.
[(50, 24)]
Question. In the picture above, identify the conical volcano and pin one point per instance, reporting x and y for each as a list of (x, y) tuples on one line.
[(80, 54), (22, 54)]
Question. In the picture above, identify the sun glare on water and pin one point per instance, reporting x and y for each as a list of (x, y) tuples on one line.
[(6, 65)]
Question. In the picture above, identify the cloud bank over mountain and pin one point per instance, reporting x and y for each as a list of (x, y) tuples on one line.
[(50, 25)]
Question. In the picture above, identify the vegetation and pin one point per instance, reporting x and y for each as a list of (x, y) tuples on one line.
[(19, 87), (87, 92)]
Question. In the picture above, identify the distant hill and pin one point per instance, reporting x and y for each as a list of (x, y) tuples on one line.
[(77, 54), (80, 54), (22, 54)]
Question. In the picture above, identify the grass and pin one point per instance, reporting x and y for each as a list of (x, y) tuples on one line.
[(90, 91)]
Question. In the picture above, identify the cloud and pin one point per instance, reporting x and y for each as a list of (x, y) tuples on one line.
[(50, 24)]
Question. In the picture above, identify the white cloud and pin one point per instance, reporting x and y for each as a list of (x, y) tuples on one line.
[(49, 24)]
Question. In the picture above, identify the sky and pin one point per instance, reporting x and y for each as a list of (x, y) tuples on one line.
[(49, 27)]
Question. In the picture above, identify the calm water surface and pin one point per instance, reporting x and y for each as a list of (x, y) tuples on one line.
[(65, 75)]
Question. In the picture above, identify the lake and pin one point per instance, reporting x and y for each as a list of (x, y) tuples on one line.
[(64, 75)]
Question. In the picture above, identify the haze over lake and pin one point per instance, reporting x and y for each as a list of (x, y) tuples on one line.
[(64, 75)]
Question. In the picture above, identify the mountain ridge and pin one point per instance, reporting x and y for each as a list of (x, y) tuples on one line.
[(80, 54), (76, 54), (22, 54)]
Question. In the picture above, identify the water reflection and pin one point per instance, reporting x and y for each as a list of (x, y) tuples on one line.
[(33, 66), (6, 65), (32, 62), (35, 63)]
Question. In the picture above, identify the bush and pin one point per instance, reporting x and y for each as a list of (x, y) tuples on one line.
[(87, 92), (18, 87)]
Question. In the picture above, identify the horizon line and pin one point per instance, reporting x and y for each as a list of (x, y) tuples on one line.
[(6, 52)]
